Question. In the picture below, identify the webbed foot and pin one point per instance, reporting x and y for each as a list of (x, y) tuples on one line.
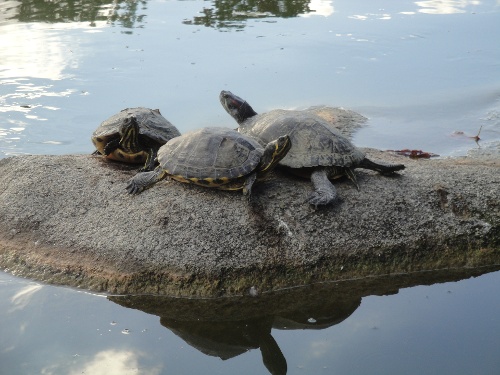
[(322, 197), (133, 188), (144, 180)]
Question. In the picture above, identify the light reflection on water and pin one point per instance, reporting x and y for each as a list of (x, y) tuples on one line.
[(447, 6), (23, 109)]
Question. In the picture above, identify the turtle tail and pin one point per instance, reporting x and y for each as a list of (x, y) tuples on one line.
[(381, 168)]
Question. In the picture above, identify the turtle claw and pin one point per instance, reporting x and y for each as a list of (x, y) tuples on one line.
[(143, 180), (133, 188), (321, 198)]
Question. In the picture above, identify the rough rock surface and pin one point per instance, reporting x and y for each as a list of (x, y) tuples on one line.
[(68, 220)]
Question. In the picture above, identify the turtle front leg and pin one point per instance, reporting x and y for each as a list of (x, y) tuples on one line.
[(111, 146), (143, 180), (149, 165), (247, 187), (324, 191), (350, 174)]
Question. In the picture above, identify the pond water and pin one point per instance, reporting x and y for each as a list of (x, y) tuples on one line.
[(425, 73), (420, 71), (353, 327)]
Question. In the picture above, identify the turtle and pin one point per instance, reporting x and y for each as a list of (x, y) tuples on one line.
[(213, 157), (318, 151), (134, 135)]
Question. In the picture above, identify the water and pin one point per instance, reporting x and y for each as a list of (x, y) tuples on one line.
[(422, 72), (359, 327)]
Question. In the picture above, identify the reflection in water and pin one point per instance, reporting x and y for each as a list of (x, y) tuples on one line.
[(22, 102), (115, 362), (40, 51), (35, 57), (445, 6), (320, 8), (232, 14), (228, 327), (22, 298), (228, 339), (425, 6), (123, 13), (35, 51)]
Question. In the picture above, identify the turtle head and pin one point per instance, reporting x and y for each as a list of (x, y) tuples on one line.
[(273, 153), (238, 108), (129, 135)]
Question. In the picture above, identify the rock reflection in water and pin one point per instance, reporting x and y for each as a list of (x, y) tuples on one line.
[(228, 327)]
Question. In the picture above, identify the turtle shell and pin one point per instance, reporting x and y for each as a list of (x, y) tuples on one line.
[(314, 141), (210, 156), (151, 124)]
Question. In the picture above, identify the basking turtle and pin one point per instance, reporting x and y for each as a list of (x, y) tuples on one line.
[(318, 151), (220, 158), (134, 135)]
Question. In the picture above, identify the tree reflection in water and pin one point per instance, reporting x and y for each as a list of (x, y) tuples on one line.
[(123, 12), (233, 13), (222, 14)]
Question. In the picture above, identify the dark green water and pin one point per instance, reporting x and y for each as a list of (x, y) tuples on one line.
[(422, 72)]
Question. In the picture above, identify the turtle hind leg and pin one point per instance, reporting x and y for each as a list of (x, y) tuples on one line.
[(143, 180), (337, 172), (351, 176), (381, 168), (324, 191)]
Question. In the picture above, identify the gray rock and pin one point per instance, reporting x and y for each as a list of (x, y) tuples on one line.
[(68, 220)]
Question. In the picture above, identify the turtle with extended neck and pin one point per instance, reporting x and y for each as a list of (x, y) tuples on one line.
[(213, 157), (318, 151)]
